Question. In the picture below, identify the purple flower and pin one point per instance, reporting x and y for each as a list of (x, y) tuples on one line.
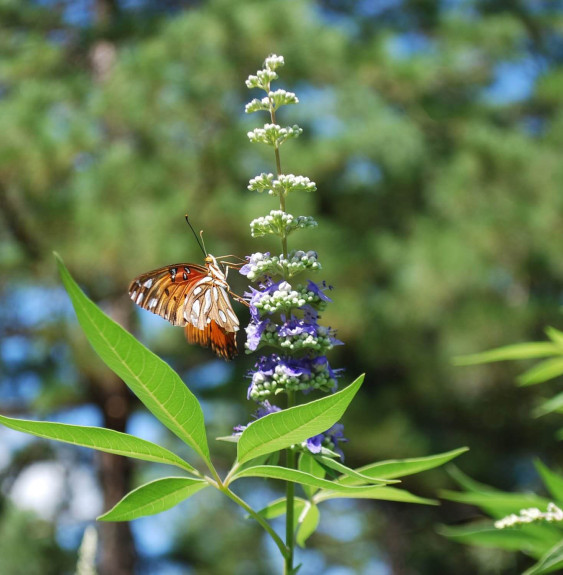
[(267, 287), (264, 408), (254, 332), (318, 291), (330, 439), (295, 326), (252, 261)]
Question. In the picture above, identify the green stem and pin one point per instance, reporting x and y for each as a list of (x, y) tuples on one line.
[(289, 453), (276, 538), (290, 501)]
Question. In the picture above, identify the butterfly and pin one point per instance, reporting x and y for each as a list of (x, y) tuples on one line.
[(194, 297)]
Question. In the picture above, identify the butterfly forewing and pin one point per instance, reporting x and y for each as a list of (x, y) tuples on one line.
[(192, 296)]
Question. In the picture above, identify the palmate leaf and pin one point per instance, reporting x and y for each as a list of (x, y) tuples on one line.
[(394, 468), (98, 438), (154, 497), (294, 425), (154, 382)]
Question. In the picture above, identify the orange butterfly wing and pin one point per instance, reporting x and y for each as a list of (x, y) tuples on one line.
[(181, 294), (221, 341)]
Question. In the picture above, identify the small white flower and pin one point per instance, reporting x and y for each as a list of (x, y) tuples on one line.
[(531, 515)]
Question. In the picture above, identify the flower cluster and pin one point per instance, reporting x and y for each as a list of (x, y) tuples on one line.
[(282, 185), (282, 297), (274, 374), (532, 515), (260, 265), (279, 223), (285, 314)]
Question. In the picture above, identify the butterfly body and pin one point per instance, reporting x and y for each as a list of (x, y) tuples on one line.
[(194, 297)]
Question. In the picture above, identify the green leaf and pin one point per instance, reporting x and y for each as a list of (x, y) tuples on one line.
[(555, 403), (553, 481), (498, 504), (394, 468), (294, 425), (296, 476), (555, 335), (308, 522), (541, 372), (510, 352), (551, 561), (518, 539), (152, 380), (352, 473), (308, 464), (375, 492), (98, 438), (278, 507), (154, 497), (469, 484), (228, 438)]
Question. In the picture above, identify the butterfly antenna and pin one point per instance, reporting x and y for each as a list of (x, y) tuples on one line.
[(202, 246), (203, 243)]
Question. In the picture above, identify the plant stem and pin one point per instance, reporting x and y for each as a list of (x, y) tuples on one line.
[(276, 538), (290, 501), (289, 453), (279, 172)]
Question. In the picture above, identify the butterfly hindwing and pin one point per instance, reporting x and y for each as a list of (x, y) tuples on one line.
[(222, 342)]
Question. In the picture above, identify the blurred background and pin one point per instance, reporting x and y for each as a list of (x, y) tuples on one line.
[(433, 130)]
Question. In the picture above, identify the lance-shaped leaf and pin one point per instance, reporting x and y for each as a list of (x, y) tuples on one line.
[(294, 425), (393, 468), (511, 352), (99, 438), (553, 481), (296, 476), (153, 381), (374, 492), (154, 497), (498, 504), (352, 473), (309, 464), (549, 562), (521, 538), (278, 507), (308, 522), (543, 371)]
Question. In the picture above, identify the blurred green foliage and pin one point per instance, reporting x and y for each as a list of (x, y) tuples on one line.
[(433, 131)]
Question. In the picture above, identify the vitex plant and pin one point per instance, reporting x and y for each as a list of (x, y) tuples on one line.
[(285, 326)]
